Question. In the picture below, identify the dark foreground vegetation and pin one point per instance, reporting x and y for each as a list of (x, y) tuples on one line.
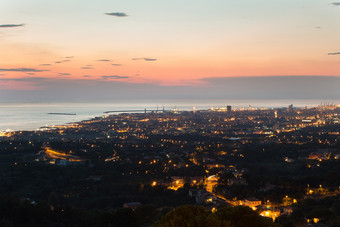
[(15, 212)]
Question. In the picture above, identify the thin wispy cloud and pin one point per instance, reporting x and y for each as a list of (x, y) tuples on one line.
[(145, 59), (114, 77), (87, 76), (22, 70), (25, 79), (103, 60), (45, 64), (87, 67), (11, 25), (117, 14), (64, 74), (334, 53), (116, 64), (58, 62), (150, 59), (69, 57), (336, 3)]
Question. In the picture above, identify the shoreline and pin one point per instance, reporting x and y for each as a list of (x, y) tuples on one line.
[(34, 123)]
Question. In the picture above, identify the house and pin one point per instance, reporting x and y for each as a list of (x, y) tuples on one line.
[(252, 203), (211, 166)]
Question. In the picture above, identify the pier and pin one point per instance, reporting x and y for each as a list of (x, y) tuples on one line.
[(135, 111)]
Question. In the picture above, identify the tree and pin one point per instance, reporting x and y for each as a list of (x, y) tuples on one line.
[(241, 216), (190, 216)]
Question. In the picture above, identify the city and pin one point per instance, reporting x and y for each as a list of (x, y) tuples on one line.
[(283, 163)]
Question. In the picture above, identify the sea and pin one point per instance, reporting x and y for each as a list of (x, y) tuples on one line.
[(33, 116)]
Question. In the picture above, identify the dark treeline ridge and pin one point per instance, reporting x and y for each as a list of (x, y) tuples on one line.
[(22, 212)]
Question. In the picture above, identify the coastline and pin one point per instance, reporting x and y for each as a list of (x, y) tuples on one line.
[(24, 117)]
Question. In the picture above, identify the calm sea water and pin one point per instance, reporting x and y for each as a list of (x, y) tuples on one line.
[(31, 116)]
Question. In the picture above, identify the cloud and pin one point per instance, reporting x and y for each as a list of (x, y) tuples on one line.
[(11, 25), (116, 64), (64, 74), (334, 53), (87, 76), (103, 60), (336, 3), (150, 59), (87, 67), (31, 74), (2, 74), (247, 90), (45, 64), (274, 87), (114, 77), (22, 70), (117, 14), (145, 59), (25, 79), (59, 62), (69, 57)]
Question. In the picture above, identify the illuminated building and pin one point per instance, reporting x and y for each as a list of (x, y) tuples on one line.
[(210, 183)]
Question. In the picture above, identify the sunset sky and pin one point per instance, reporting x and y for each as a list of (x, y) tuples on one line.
[(146, 44)]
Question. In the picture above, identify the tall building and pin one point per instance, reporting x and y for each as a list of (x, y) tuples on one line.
[(229, 108), (291, 107)]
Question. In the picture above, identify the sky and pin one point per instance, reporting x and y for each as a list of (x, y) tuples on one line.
[(71, 49)]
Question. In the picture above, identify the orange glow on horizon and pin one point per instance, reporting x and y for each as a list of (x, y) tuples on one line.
[(166, 70)]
